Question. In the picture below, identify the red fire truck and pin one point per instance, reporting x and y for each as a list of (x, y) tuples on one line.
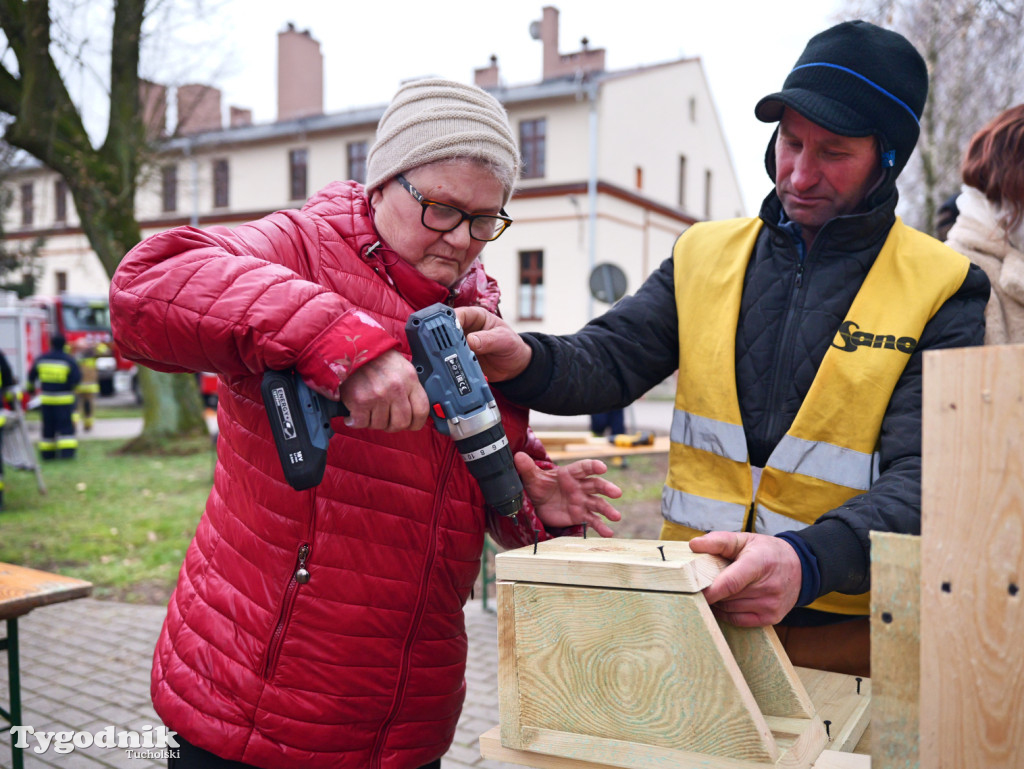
[(85, 318)]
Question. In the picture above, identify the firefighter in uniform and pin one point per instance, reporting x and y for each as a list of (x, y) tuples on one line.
[(9, 389), (57, 374), (88, 389)]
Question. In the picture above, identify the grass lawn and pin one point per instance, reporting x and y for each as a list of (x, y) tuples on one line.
[(121, 522)]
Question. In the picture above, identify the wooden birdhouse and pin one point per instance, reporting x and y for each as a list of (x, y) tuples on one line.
[(609, 655)]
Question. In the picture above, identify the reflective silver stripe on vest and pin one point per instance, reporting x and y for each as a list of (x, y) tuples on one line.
[(767, 522), (700, 512), (707, 434), (824, 461)]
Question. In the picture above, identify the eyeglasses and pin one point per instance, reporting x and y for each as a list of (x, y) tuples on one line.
[(441, 217)]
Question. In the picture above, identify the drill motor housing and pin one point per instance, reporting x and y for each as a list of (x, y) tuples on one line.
[(462, 405), (461, 402)]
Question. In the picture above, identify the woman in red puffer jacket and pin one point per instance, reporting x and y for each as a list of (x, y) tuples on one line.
[(324, 628)]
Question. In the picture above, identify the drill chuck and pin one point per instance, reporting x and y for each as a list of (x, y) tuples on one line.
[(483, 445)]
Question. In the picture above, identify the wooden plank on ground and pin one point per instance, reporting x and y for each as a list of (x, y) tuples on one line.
[(895, 648), (972, 559)]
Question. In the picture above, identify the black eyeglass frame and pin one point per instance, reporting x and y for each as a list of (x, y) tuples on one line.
[(426, 203)]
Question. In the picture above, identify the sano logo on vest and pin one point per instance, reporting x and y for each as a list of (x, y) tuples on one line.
[(850, 337)]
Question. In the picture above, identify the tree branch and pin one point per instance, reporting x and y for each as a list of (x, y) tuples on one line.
[(46, 122), (125, 126), (10, 91)]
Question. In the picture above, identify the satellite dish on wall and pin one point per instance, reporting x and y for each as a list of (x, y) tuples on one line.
[(535, 30), (607, 283)]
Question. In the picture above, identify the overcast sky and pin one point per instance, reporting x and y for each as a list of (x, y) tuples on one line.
[(370, 46)]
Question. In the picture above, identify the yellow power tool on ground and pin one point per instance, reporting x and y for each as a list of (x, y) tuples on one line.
[(632, 440)]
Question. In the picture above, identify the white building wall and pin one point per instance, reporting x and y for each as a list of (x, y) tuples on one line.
[(645, 121), (652, 118), (71, 255), (633, 238), (567, 138)]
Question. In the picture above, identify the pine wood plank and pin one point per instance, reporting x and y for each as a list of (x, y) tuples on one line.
[(972, 559), (895, 648), (600, 448), (635, 564), (836, 700), (508, 676), (491, 748), (767, 670), (829, 694), (834, 759), (590, 662), (558, 439)]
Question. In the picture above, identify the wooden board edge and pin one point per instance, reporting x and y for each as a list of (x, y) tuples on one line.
[(508, 667)]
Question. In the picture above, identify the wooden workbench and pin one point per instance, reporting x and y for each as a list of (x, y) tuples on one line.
[(570, 446), (21, 591)]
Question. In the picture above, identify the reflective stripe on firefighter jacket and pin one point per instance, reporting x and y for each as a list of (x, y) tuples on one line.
[(53, 378), (90, 382), (9, 396), (830, 452)]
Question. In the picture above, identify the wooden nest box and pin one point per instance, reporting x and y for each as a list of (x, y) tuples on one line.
[(609, 655)]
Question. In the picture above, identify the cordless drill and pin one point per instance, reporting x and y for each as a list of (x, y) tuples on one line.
[(461, 402)]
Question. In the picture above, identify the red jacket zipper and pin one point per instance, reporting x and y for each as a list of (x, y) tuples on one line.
[(403, 673), (299, 577)]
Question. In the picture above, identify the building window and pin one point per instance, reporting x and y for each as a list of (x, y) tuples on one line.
[(707, 194), (682, 182), (60, 201), (531, 285), (357, 161), (27, 205), (532, 141), (61, 278), (297, 160), (220, 183), (693, 109), (169, 188)]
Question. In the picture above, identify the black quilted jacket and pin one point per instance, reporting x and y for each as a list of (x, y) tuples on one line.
[(784, 332)]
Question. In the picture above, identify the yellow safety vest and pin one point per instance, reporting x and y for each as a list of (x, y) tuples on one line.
[(830, 452), (55, 372)]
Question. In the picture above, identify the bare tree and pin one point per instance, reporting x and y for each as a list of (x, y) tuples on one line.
[(19, 265), (47, 124), (974, 50)]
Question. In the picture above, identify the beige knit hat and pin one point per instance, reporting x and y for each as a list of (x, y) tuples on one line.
[(434, 119)]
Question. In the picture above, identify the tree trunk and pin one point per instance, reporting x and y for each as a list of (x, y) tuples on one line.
[(102, 182), (171, 409)]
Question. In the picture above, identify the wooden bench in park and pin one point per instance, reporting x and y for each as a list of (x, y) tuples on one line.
[(21, 591)]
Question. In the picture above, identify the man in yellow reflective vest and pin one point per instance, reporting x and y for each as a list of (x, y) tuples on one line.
[(798, 338), (56, 374)]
